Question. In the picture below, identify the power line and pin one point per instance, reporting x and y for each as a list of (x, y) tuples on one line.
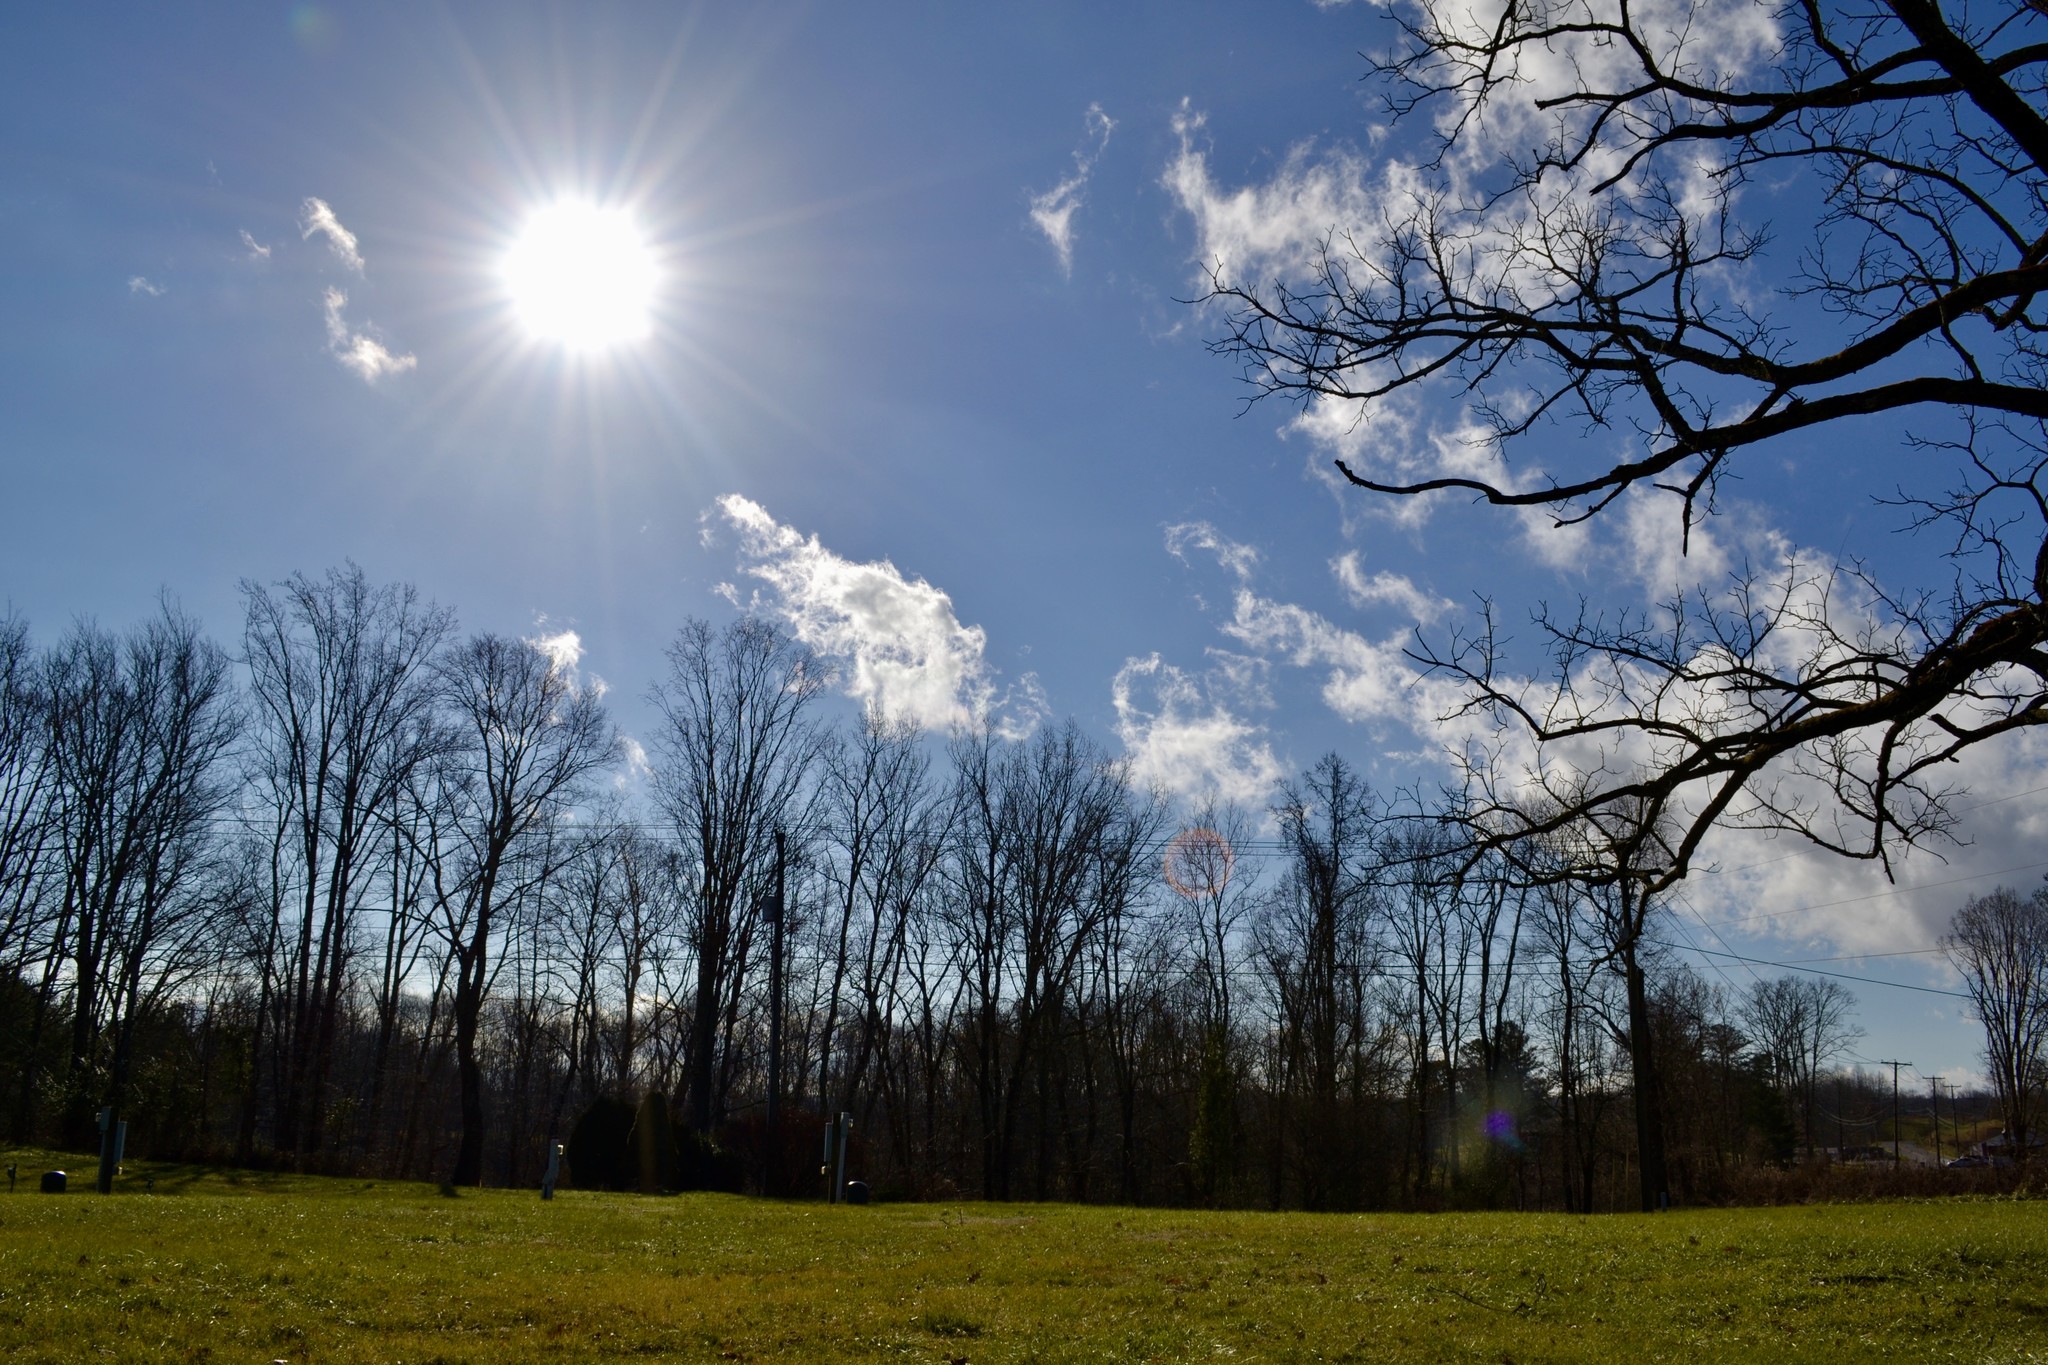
[(1811, 971)]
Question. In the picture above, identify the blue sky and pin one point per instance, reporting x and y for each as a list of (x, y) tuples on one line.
[(922, 381)]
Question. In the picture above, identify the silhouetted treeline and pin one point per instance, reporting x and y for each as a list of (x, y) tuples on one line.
[(359, 892)]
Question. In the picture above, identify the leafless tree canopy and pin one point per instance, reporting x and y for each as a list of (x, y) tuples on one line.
[(1999, 943), (397, 906), (1588, 249)]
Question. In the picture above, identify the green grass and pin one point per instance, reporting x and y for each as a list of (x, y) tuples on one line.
[(221, 1267)]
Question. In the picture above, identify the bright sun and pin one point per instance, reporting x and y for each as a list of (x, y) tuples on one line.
[(582, 276)]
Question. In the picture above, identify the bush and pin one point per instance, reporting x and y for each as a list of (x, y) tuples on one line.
[(598, 1147), (653, 1146)]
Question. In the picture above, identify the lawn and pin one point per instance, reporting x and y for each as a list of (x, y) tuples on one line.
[(222, 1267)]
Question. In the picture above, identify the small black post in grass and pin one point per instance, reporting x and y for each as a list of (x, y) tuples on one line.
[(10, 1177), (547, 1180)]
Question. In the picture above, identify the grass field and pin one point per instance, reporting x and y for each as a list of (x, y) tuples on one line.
[(219, 1267)]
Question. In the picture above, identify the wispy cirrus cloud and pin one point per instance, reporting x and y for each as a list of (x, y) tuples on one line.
[(1239, 558), (902, 646), (316, 217), (1387, 589), (1052, 212), (359, 351), (1365, 680), (139, 284), (255, 250)]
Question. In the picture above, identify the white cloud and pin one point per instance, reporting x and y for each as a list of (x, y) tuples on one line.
[(316, 216), (564, 649), (139, 285), (1052, 212), (1797, 899), (1242, 560), (257, 251), (1185, 740), (637, 767), (1275, 228), (1367, 682), (359, 351), (1387, 589), (1337, 218), (904, 649)]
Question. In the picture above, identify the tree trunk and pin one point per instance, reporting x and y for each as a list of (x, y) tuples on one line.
[(1648, 1093)]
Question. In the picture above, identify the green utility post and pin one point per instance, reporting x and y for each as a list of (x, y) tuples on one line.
[(113, 1137), (837, 1131)]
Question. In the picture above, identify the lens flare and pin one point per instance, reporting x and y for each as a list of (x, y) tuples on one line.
[(1198, 863)]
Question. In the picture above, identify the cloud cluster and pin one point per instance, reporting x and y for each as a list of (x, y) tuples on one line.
[(138, 284), (358, 350), (902, 647), (1052, 212), (1755, 891), (1334, 217), (1184, 738)]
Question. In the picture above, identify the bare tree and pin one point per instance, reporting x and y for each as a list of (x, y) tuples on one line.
[(138, 730), (25, 763), (888, 824), (614, 908), (1318, 945), (1999, 942), (1575, 251), (1800, 1025), (1214, 900), (737, 752), (1046, 837), (1490, 902), (26, 905), (529, 735), (1430, 952), (344, 698), (1579, 1047)]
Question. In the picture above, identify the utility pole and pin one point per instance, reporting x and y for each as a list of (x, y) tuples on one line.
[(773, 1175), (1934, 1103), (1955, 1117), (1895, 1106)]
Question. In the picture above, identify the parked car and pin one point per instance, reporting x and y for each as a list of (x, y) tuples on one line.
[(1968, 1163)]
